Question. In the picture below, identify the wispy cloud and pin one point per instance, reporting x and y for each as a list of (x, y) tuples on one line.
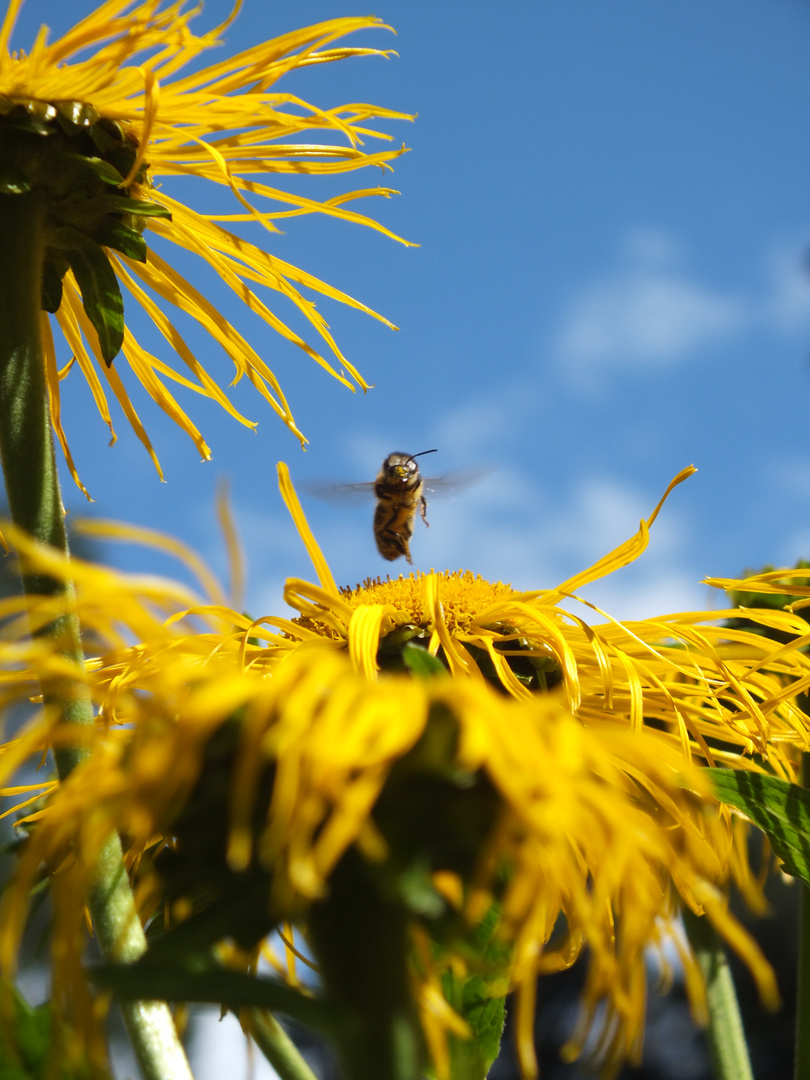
[(787, 306), (645, 318), (650, 311), (647, 312), (508, 527)]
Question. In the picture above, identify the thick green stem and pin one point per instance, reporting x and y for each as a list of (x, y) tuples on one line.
[(725, 1033), (360, 940), (26, 442), (277, 1046), (29, 468), (802, 1059)]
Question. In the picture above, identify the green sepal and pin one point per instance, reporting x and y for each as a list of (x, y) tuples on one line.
[(420, 662), (11, 105), (205, 981), (104, 170), (537, 673), (51, 288), (28, 1046), (122, 204), (76, 115), (780, 809), (118, 236), (54, 268), (122, 159), (101, 294), (106, 135), (20, 119)]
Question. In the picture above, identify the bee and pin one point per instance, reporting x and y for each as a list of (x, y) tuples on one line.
[(400, 492)]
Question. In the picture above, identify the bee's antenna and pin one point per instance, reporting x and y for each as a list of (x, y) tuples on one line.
[(421, 454)]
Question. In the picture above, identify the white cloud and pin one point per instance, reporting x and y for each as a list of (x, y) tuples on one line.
[(651, 246), (655, 590), (788, 306), (649, 311), (644, 317), (476, 423), (602, 513), (510, 526)]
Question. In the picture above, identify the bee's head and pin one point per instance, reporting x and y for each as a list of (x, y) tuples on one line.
[(402, 467)]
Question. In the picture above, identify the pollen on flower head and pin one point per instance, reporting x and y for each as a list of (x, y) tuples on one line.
[(463, 596)]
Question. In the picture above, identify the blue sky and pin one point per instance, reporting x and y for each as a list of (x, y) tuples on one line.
[(613, 208)]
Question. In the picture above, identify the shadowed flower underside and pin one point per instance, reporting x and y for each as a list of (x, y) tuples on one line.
[(110, 91), (587, 823)]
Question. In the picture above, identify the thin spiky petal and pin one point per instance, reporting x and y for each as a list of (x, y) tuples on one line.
[(228, 125)]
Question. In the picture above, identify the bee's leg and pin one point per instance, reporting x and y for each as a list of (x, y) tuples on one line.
[(423, 510)]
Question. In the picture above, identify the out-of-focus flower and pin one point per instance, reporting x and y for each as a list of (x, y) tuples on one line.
[(90, 122), (249, 757), (595, 825)]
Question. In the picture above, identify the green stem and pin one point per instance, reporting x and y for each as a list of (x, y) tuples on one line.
[(277, 1046), (802, 1051), (32, 484), (725, 1033), (360, 939)]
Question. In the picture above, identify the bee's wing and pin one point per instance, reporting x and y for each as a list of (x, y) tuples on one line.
[(449, 485), (339, 492)]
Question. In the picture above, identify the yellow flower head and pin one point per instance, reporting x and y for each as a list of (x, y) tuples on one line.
[(578, 809), (706, 685), (91, 132)]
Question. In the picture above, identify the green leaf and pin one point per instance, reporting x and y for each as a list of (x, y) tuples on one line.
[(148, 980), (240, 911), (420, 663), (101, 294), (479, 999), (28, 1049), (115, 234), (780, 809), (485, 1012)]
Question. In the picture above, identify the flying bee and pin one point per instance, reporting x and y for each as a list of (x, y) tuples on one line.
[(400, 493)]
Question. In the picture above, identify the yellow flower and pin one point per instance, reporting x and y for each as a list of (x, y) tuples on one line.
[(120, 118), (708, 687), (593, 824), (275, 747)]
